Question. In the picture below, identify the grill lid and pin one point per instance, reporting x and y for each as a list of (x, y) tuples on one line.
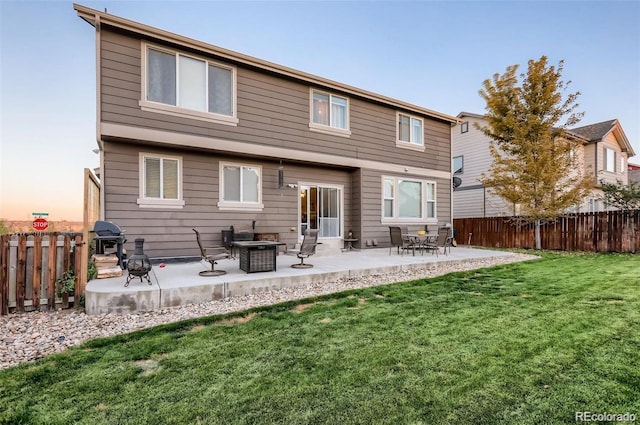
[(106, 228)]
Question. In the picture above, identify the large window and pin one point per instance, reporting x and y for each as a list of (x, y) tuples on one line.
[(160, 181), (410, 130), (408, 199), (609, 160), (329, 112), (189, 85), (240, 186)]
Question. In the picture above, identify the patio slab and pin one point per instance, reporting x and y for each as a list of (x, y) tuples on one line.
[(179, 284)]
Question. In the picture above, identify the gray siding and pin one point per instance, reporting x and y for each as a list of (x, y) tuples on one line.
[(168, 233), (272, 111)]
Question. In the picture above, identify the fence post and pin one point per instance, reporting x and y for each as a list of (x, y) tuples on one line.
[(51, 284), (21, 275), (37, 270), (78, 265), (4, 275)]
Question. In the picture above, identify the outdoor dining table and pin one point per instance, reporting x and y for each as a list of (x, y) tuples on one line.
[(257, 256), (421, 240)]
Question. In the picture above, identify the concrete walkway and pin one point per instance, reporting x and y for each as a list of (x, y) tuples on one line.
[(179, 284)]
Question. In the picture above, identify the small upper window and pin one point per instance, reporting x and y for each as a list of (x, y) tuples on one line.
[(609, 160), (410, 130), (464, 127), (179, 83), (458, 163), (329, 112)]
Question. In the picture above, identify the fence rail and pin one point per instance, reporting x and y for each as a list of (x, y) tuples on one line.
[(29, 269), (607, 231)]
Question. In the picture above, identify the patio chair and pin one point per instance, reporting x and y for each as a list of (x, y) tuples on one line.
[(307, 249), (444, 240), (400, 240), (211, 255)]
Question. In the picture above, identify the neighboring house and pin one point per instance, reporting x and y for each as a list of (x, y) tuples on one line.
[(634, 172), (196, 136), (604, 154)]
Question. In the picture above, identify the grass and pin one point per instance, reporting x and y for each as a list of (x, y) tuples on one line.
[(527, 343)]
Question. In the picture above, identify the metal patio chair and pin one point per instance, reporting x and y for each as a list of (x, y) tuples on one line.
[(307, 249), (211, 255)]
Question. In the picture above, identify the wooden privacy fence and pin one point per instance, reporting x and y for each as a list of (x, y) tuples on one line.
[(30, 265), (607, 231)]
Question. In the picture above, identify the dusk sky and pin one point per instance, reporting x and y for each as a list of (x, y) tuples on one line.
[(432, 54)]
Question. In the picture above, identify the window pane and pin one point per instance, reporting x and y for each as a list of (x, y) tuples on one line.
[(169, 179), (416, 131), (192, 83), (152, 178), (388, 188), (161, 77), (320, 108), (220, 90), (338, 112), (403, 128), (410, 199), (231, 176), (431, 209), (457, 165), (431, 192), (250, 183), (388, 208)]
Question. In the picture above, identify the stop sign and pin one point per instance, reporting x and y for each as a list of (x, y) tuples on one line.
[(40, 224)]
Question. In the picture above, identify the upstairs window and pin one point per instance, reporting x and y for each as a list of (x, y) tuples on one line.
[(609, 160), (464, 127), (410, 131), (329, 112), (185, 84)]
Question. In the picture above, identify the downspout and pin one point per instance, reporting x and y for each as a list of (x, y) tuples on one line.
[(99, 115)]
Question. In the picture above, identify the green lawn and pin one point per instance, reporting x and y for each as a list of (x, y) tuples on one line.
[(527, 343)]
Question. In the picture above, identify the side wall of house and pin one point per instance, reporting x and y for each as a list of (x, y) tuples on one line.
[(471, 199)]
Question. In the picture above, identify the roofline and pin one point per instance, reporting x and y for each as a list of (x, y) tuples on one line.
[(617, 128), (92, 15), (569, 133), (470, 115)]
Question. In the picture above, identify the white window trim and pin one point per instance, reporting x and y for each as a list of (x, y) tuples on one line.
[(239, 206), (341, 195), (147, 105), (405, 220), (409, 145), (327, 129), (144, 202)]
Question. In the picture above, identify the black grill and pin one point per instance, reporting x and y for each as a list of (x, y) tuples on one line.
[(109, 235)]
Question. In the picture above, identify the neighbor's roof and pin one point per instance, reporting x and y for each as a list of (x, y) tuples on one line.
[(95, 17), (596, 132)]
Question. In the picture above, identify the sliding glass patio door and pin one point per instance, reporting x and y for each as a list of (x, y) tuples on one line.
[(321, 209)]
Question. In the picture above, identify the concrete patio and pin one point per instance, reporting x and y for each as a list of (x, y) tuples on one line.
[(178, 284)]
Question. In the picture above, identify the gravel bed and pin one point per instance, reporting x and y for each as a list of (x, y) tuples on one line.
[(30, 336)]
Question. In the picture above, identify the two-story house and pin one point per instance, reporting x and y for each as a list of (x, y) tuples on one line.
[(604, 153), (192, 135)]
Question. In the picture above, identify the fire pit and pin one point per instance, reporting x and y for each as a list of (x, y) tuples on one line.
[(138, 264)]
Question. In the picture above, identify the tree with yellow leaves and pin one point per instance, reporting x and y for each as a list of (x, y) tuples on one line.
[(534, 163)]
